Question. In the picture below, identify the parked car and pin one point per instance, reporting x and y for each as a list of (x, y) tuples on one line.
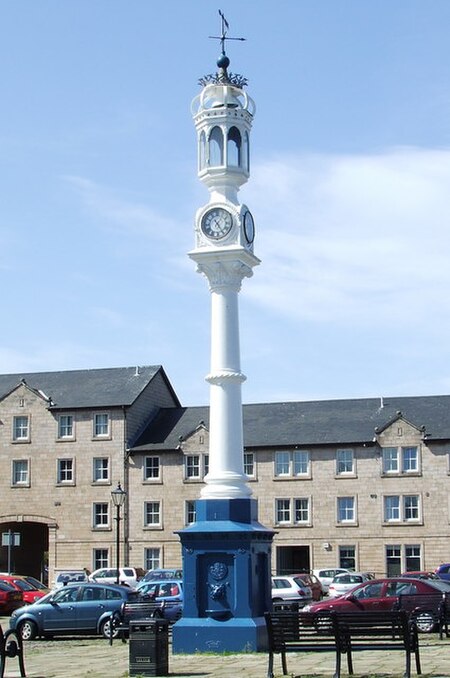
[(10, 598), (345, 582), (83, 608), (36, 583), (165, 590), (327, 574), (290, 588), (383, 594), (30, 593), (313, 583), (420, 575), (163, 573), (443, 571), (64, 577), (108, 575)]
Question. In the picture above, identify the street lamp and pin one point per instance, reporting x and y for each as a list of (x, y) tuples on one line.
[(118, 499)]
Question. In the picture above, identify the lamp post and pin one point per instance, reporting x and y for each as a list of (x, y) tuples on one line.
[(118, 499)]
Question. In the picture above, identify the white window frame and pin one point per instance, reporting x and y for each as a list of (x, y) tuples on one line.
[(20, 477), (250, 465), (66, 430), (198, 462), (100, 515), (100, 470), (63, 471), (99, 431), (283, 511), (21, 428), (292, 464), (345, 462), (190, 514), (100, 558), (342, 511), (153, 509), (152, 462), (395, 460), (397, 512), (152, 557), (306, 501)]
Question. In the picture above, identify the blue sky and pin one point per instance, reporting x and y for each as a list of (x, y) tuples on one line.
[(349, 189)]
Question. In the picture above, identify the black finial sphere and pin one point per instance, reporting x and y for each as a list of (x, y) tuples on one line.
[(223, 61)]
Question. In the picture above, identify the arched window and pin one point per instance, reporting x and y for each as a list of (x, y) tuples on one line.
[(202, 151), (246, 152), (216, 147), (234, 143)]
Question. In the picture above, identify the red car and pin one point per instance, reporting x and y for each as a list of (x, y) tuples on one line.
[(10, 598), (383, 594), (30, 594), (313, 583)]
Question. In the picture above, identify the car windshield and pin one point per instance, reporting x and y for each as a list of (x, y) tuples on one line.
[(24, 585), (4, 586), (439, 584), (36, 583)]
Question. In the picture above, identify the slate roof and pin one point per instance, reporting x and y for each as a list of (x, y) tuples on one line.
[(322, 422), (109, 387)]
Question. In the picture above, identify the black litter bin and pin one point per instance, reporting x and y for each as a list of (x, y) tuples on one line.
[(149, 647)]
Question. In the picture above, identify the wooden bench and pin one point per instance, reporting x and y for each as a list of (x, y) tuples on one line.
[(378, 630), (341, 633), (430, 611), (130, 611), (297, 631)]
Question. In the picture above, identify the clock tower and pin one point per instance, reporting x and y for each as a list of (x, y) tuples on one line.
[(226, 551)]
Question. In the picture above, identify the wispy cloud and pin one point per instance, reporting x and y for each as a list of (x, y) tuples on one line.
[(354, 238)]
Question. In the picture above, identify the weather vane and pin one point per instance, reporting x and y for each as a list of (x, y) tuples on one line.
[(223, 77), (224, 28)]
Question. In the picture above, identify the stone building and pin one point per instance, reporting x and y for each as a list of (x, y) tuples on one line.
[(361, 483)]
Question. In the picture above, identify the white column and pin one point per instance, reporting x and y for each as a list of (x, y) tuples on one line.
[(226, 478)]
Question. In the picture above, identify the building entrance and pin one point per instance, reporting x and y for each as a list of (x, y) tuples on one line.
[(292, 559), (31, 554)]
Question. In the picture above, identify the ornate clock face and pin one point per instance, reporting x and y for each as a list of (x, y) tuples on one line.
[(249, 227), (217, 223)]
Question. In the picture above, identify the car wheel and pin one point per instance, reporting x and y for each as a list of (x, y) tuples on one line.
[(27, 630), (425, 621), (105, 629)]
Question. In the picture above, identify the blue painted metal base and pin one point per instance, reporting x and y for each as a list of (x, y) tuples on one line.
[(226, 570)]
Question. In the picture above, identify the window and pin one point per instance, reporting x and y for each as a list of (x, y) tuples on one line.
[(249, 464), (101, 425), (400, 460), (234, 143), (152, 558), (344, 462), (100, 515), (216, 147), (393, 561), (292, 464), (152, 514), (100, 470), (196, 466), (20, 472), (65, 471), (412, 558), (401, 508), (21, 430), (301, 510), (347, 557), (65, 426), (346, 510), (151, 468), (190, 512), (282, 511), (99, 559)]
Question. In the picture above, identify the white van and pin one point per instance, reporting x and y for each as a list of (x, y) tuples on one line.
[(108, 575), (327, 574), (69, 576)]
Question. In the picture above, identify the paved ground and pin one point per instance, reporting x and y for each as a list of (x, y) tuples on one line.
[(95, 658)]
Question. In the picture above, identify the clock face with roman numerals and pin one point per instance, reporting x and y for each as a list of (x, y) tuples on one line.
[(217, 223)]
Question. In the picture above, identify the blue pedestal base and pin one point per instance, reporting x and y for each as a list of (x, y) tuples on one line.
[(226, 571)]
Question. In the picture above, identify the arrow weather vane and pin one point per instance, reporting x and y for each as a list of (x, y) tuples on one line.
[(224, 28)]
